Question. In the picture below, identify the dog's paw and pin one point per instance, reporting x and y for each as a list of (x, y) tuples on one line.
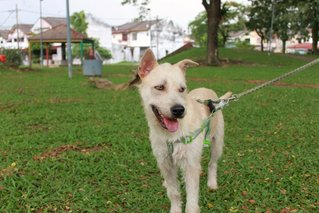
[(175, 210), (192, 209), (212, 185)]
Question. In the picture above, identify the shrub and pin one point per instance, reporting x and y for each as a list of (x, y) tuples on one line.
[(14, 57)]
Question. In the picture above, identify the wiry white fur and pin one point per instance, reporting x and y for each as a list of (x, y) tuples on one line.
[(186, 157)]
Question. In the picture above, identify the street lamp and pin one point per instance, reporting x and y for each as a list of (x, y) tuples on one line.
[(41, 37)]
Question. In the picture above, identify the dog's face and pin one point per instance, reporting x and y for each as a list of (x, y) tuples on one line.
[(163, 90)]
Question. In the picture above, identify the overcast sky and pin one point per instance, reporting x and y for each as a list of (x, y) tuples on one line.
[(109, 11)]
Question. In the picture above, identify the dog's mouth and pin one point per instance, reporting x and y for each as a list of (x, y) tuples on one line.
[(171, 124)]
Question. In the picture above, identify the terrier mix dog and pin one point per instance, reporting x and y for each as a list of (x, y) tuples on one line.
[(172, 113)]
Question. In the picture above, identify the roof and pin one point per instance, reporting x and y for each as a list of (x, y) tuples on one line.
[(4, 33), (26, 28), (58, 34), (307, 46), (234, 34), (133, 27), (55, 21)]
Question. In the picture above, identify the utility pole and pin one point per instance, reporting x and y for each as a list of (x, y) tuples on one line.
[(274, 2), (41, 37), (69, 39), (157, 38), (17, 28)]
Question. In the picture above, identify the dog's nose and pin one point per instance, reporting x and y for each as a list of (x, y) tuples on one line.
[(178, 111)]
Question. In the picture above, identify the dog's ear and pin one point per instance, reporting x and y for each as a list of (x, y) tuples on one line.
[(147, 64), (184, 64)]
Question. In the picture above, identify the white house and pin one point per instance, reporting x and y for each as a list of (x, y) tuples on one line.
[(99, 30), (18, 36), (130, 40), (3, 38), (47, 24)]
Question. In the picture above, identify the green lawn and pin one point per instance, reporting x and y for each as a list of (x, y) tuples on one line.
[(67, 146)]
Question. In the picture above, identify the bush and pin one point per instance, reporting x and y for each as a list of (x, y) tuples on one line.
[(14, 57)]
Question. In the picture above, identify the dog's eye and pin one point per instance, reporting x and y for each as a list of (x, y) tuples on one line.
[(159, 87), (182, 89)]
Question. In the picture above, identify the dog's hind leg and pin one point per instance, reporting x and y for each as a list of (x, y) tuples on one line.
[(170, 174), (216, 150)]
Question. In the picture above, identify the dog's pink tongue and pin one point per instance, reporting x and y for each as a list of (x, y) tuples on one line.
[(171, 124)]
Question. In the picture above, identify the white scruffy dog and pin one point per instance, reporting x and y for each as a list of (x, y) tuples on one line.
[(172, 114)]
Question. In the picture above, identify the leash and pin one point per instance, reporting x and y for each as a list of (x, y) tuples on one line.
[(216, 105)]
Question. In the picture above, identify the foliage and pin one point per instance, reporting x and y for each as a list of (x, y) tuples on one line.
[(199, 29), (285, 19), (233, 19), (308, 17), (260, 18), (78, 22), (291, 18), (13, 57), (67, 147)]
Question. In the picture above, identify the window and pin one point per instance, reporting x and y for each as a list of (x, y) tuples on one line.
[(124, 37), (134, 36)]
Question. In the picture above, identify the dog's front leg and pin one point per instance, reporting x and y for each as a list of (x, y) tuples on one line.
[(192, 175), (170, 174)]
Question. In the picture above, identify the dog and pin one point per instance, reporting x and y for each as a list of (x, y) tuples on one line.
[(172, 113)]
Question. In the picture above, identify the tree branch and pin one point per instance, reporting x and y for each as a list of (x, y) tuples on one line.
[(205, 4)]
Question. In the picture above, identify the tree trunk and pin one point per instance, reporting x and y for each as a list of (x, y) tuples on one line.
[(284, 46), (213, 19), (314, 31), (262, 44)]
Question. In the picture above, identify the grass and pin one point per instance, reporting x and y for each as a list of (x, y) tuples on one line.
[(66, 146)]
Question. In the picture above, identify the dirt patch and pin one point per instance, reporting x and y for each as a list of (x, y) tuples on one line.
[(257, 82), (56, 152), (300, 57), (4, 107), (103, 83), (283, 84), (64, 100)]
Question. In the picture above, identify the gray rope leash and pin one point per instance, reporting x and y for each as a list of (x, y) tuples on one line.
[(216, 105), (295, 71)]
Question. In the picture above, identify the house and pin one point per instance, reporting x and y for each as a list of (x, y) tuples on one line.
[(47, 24), (18, 36), (253, 39), (99, 30), (300, 48), (3, 38), (245, 36), (130, 40)]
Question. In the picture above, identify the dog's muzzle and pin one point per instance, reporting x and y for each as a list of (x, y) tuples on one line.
[(178, 111), (169, 123)]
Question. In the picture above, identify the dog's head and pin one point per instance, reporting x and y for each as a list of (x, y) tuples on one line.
[(163, 90)]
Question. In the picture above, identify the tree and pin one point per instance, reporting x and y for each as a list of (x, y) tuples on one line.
[(233, 19), (285, 22), (260, 19), (142, 6), (308, 15), (213, 10), (78, 22)]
